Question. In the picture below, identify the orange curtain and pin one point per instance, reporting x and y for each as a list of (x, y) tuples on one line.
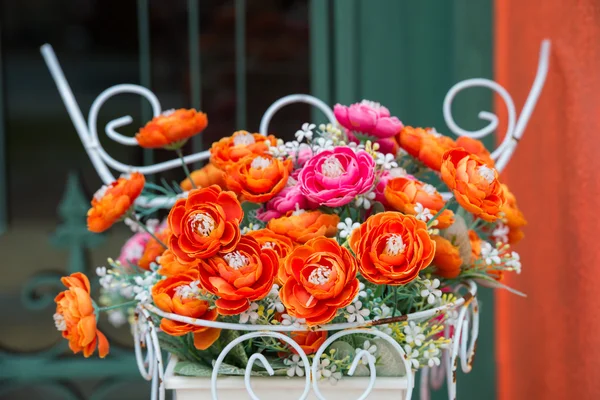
[(548, 344)]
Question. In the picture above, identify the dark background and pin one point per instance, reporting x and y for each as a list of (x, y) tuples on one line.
[(97, 44)]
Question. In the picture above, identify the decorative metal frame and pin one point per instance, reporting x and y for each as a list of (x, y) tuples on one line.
[(464, 338)]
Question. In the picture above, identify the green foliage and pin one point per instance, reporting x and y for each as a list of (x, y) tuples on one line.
[(250, 210)]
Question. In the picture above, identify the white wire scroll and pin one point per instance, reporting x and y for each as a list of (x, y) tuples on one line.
[(102, 160), (515, 127), (462, 345)]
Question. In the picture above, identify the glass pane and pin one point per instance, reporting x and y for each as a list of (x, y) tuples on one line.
[(97, 46)]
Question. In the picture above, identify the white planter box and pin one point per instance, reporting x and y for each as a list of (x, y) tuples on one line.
[(281, 388)]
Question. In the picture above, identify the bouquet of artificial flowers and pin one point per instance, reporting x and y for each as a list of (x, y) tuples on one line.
[(354, 224)]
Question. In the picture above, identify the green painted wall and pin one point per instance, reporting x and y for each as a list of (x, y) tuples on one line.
[(407, 55)]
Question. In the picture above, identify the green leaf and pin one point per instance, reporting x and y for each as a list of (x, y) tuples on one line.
[(190, 368), (228, 369), (237, 355), (379, 291), (250, 210), (187, 368), (363, 137), (174, 346), (342, 349), (389, 361), (377, 208)]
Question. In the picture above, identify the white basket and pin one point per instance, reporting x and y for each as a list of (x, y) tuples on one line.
[(280, 388)]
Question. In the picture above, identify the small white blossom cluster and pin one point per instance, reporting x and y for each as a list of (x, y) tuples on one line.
[(368, 352), (274, 301), (288, 320), (500, 257), (423, 214), (489, 254), (295, 366), (130, 287), (365, 200), (386, 161), (143, 286), (500, 233), (513, 261), (423, 342), (357, 311), (346, 227), (250, 315), (305, 133), (430, 290)]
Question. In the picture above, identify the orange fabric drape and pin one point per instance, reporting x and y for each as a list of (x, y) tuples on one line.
[(548, 344)]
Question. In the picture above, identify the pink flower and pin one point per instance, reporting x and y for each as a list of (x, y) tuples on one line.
[(289, 199), (334, 177), (388, 145), (132, 250), (303, 155), (369, 118), (381, 184)]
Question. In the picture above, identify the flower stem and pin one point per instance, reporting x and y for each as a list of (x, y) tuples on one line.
[(185, 167), (476, 223), (116, 306), (448, 203), (395, 302), (145, 228)]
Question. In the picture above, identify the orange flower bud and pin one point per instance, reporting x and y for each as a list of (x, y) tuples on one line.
[(306, 225), (178, 295), (171, 129), (258, 178), (447, 258), (241, 144), (204, 177), (76, 319), (403, 194), (111, 202), (474, 184)]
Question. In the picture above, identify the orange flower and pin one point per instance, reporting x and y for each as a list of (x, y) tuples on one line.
[(426, 145), (308, 341), (477, 148), (205, 177), (475, 241), (241, 144), (474, 184), (179, 295), (403, 194), (76, 319), (258, 178), (305, 225), (111, 202), (513, 216), (171, 129), (447, 258), (154, 249), (205, 223), (282, 245), (169, 266), (245, 274), (392, 248), (323, 280)]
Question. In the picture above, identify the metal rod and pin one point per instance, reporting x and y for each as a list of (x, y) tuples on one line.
[(144, 60), (240, 60), (195, 66)]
